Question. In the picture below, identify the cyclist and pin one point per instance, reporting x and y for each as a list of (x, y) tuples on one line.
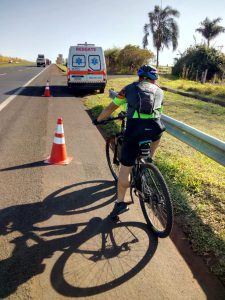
[(144, 100)]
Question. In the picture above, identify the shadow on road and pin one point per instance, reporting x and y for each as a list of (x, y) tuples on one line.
[(103, 258), (35, 164), (55, 90), (32, 241)]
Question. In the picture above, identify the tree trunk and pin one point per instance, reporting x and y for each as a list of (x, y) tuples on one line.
[(183, 71), (204, 76), (196, 78), (222, 79), (157, 58)]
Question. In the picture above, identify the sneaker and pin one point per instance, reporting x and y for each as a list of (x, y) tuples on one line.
[(119, 208)]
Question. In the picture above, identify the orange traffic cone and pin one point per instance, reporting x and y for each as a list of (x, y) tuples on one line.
[(47, 90), (58, 154)]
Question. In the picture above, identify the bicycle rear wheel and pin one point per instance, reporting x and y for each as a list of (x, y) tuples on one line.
[(155, 200), (112, 158)]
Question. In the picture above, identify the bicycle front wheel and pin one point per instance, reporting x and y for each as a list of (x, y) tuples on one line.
[(155, 200), (112, 158)]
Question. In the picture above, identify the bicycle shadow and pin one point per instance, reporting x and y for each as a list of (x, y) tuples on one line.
[(103, 256), (18, 230)]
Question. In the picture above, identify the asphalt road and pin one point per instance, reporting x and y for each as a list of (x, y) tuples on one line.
[(56, 240), (13, 78)]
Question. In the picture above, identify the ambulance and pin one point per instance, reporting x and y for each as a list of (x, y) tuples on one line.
[(86, 68)]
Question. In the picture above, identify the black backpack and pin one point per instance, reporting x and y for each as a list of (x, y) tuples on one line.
[(146, 99)]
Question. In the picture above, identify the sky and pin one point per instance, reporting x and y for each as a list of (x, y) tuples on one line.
[(50, 27)]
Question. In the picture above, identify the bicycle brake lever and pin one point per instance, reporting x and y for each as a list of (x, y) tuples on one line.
[(112, 94)]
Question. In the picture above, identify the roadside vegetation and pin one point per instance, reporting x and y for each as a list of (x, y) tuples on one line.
[(6, 61), (196, 182), (209, 90), (62, 67), (200, 63), (127, 59)]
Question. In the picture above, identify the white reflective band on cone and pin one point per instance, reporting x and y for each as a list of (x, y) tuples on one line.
[(59, 128), (59, 141)]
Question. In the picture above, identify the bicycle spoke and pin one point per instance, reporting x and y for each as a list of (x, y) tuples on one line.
[(155, 200)]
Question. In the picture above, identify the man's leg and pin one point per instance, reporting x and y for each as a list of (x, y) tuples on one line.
[(154, 146), (123, 182)]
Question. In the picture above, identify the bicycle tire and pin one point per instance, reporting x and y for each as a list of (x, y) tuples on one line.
[(155, 200), (110, 150), (133, 189)]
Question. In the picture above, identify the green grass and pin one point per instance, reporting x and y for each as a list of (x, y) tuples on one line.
[(207, 117), (62, 67), (195, 181), (209, 90)]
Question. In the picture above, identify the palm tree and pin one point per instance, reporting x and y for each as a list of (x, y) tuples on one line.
[(163, 27), (210, 29)]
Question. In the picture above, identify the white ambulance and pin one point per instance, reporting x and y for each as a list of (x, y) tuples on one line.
[(86, 68)]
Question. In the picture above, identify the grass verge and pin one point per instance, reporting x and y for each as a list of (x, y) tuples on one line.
[(208, 90), (62, 67), (195, 181)]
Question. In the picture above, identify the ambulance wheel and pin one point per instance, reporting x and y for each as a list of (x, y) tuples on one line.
[(102, 91)]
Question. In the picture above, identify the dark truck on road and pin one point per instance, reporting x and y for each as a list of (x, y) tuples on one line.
[(41, 60)]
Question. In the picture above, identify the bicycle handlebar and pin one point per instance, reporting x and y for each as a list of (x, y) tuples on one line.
[(112, 94), (121, 116)]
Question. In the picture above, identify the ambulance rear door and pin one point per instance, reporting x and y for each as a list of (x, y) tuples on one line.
[(79, 65), (95, 60)]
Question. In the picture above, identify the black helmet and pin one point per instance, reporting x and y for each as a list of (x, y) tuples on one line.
[(148, 71)]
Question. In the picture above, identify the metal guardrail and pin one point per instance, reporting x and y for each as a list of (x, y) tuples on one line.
[(202, 142), (197, 139)]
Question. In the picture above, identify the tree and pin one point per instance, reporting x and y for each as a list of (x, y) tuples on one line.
[(111, 56), (164, 29), (210, 29), (126, 60), (134, 56), (197, 59)]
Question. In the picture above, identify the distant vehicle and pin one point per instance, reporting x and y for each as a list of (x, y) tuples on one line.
[(86, 67), (40, 60), (10, 61), (48, 61)]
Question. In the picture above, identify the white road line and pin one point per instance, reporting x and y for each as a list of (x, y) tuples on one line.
[(3, 74), (10, 98)]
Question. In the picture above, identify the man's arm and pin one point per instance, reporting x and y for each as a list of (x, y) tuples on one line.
[(117, 101), (107, 111)]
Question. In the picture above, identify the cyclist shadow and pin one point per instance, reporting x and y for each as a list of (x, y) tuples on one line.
[(103, 256), (19, 230)]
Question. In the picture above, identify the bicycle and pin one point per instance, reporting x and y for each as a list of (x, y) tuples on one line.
[(146, 181)]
